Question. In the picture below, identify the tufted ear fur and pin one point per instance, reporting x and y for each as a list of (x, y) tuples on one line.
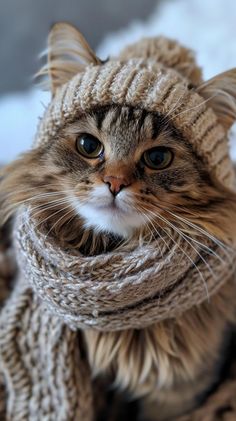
[(67, 54), (220, 93)]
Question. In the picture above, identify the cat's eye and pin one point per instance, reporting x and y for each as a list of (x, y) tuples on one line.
[(157, 158), (89, 146)]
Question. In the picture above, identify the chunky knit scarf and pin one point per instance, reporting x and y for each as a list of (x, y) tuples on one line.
[(119, 290), (59, 292)]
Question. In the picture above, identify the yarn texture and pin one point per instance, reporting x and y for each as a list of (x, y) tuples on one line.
[(56, 293), (119, 290)]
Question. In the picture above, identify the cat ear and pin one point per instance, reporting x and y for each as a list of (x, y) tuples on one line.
[(68, 53), (220, 93)]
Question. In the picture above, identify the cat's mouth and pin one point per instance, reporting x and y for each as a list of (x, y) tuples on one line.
[(110, 216), (112, 207)]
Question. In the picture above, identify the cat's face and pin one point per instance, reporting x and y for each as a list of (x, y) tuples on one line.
[(119, 167), (121, 171), (127, 163)]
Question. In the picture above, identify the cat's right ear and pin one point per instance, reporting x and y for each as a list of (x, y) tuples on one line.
[(68, 53), (220, 94)]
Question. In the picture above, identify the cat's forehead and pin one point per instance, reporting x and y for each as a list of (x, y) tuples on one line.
[(122, 120), (124, 128)]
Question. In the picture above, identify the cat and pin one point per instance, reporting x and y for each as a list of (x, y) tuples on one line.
[(113, 177)]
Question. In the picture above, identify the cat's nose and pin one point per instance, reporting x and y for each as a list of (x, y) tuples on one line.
[(116, 184)]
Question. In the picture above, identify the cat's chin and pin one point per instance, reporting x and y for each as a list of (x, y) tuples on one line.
[(110, 219)]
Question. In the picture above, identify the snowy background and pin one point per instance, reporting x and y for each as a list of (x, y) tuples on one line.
[(208, 27)]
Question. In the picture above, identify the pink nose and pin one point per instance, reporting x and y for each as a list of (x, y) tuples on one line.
[(116, 184)]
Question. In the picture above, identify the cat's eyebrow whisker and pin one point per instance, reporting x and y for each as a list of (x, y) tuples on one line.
[(172, 110), (196, 106)]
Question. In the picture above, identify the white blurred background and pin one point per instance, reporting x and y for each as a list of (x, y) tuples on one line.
[(208, 27)]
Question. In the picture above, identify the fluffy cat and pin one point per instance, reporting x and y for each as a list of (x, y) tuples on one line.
[(115, 177)]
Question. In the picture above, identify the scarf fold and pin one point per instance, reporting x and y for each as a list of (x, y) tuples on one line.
[(47, 377), (43, 365), (120, 290)]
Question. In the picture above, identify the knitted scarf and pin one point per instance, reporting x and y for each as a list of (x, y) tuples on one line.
[(119, 290), (57, 292)]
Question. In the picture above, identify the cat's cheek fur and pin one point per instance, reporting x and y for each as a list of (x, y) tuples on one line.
[(103, 213)]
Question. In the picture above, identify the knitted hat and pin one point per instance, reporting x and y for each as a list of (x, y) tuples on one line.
[(155, 74)]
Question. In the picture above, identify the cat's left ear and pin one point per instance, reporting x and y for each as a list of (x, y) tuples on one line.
[(220, 93), (68, 53)]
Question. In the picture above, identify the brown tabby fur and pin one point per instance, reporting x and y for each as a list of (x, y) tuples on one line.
[(169, 365)]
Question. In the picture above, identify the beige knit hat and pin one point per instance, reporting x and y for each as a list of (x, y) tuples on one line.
[(156, 74)]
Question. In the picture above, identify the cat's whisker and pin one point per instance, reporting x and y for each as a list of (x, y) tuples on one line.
[(204, 232), (157, 232), (35, 198), (42, 206), (206, 248), (47, 206), (182, 234), (51, 216), (72, 217), (47, 201), (194, 226), (153, 226), (63, 216), (42, 186), (197, 227), (183, 251), (202, 245), (143, 215)]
